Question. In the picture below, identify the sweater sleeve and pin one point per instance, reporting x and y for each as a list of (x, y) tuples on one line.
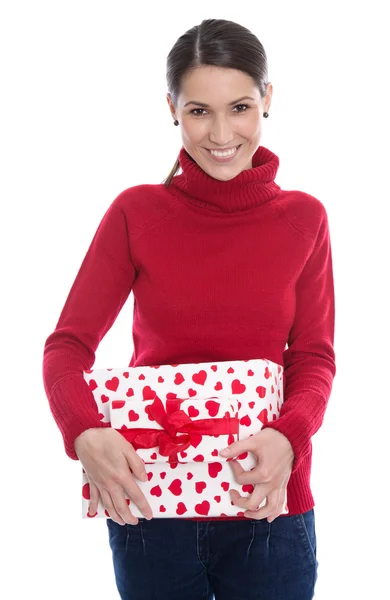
[(309, 360), (100, 289)]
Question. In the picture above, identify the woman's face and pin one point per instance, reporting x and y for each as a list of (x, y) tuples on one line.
[(219, 109)]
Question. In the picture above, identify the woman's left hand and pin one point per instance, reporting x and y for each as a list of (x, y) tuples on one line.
[(270, 476)]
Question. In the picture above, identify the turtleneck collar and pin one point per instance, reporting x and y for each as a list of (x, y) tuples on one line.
[(250, 188)]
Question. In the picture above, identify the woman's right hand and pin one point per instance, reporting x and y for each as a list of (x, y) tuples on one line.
[(107, 458)]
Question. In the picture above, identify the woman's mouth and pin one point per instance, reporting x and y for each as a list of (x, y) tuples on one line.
[(224, 155)]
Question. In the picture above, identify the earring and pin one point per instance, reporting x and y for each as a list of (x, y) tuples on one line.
[(265, 114), (176, 122)]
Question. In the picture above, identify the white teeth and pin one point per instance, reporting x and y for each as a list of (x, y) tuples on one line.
[(224, 154)]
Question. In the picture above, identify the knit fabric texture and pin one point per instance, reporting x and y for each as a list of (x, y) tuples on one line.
[(219, 270)]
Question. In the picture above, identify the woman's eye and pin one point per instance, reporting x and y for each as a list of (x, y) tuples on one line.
[(243, 108), (242, 105), (194, 111)]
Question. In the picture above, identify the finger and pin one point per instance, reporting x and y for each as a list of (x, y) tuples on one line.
[(267, 510), (122, 507), (94, 495), (135, 462), (138, 497), (280, 504), (131, 488), (243, 501), (237, 448), (116, 490), (238, 470), (253, 476), (253, 501), (108, 504)]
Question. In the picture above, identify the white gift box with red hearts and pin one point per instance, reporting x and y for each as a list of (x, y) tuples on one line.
[(178, 418)]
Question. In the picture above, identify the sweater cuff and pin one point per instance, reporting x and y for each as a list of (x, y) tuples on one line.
[(74, 410), (300, 417)]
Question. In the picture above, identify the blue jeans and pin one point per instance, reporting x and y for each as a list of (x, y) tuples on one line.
[(175, 559)]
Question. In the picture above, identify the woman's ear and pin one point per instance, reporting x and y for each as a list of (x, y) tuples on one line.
[(268, 97), (171, 105)]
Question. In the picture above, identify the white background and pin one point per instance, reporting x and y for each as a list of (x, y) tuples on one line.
[(84, 116)]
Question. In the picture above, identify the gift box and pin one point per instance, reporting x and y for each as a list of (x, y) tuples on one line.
[(178, 418)]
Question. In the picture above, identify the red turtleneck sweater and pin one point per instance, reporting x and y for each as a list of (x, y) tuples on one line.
[(220, 270)]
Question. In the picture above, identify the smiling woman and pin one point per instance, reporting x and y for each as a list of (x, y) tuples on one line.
[(224, 265), (224, 133)]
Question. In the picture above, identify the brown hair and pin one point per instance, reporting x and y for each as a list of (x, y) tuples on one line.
[(220, 43)]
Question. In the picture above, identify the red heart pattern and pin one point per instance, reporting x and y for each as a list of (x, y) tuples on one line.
[(248, 488), (156, 491), (112, 384), (261, 390), (193, 412), (200, 378), (86, 491), (242, 456), (263, 416), (200, 486), (198, 458), (133, 416), (253, 393), (214, 469), (238, 387), (178, 379), (213, 408), (203, 508), (181, 508), (175, 487), (148, 393), (92, 385)]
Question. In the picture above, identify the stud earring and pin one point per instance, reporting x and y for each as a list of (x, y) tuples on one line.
[(176, 122), (265, 115)]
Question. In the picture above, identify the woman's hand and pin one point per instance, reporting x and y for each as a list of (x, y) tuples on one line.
[(109, 461), (275, 459)]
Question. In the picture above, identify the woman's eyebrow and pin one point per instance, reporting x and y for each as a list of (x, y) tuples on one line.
[(208, 106)]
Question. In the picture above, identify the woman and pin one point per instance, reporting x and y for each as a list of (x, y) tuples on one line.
[(224, 265)]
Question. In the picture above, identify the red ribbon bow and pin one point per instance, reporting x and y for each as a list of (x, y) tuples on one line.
[(175, 421)]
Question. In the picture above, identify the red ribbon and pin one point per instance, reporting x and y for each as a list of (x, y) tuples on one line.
[(175, 421)]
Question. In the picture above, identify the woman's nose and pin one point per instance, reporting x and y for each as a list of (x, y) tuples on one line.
[(221, 132)]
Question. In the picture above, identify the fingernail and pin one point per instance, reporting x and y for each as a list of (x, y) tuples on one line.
[(224, 452), (144, 476)]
